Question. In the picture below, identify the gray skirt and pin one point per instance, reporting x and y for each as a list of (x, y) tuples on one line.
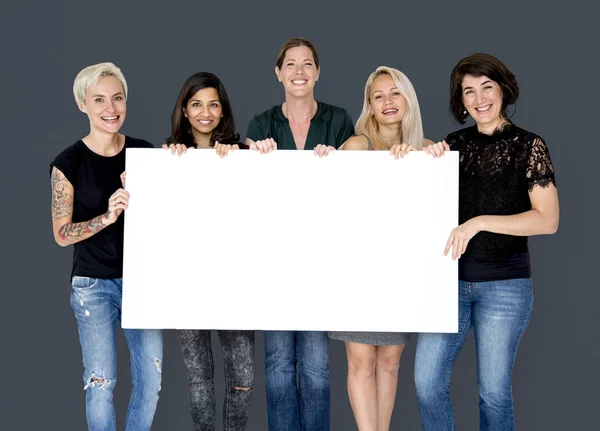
[(374, 338)]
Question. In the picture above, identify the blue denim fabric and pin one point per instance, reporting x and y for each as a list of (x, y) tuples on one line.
[(499, 312), (297, 380), (97, 307)]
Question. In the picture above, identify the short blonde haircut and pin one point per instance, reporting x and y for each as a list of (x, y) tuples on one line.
[(411, 129), (90, 76)]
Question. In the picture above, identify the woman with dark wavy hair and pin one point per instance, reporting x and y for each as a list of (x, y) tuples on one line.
[(203, 118), (507, 192)]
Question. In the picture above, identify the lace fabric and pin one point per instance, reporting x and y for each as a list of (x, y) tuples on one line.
[(497, 172)]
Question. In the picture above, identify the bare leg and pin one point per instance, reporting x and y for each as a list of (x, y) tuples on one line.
[(362, 388), (386, 376)]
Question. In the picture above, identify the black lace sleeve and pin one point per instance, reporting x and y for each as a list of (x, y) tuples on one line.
[(539, 170)]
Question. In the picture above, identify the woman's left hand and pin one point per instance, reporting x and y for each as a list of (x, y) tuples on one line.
[(322, 150), (400, 150), (460, 237), (223, 149)]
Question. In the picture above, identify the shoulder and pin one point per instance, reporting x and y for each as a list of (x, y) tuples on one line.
[(265, 116), (131, 142), (455, 138), (358, 142), (333, 111), (70, 154)]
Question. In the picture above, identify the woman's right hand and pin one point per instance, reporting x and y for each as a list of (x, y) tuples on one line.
[(265, 146), (437, 150), (178, 149), (117, 203)]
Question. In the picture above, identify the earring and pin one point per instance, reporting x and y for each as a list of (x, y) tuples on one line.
[(317, 78), (221, 115), (465, 112)]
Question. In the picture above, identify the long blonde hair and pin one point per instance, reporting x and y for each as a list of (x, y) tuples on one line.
[(411, 129)]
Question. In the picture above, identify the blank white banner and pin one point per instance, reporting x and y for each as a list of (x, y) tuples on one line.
[(349, 242)]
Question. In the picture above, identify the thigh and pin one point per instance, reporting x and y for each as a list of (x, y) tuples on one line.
[(312, 347), (280, 346), (501, 314), (196, 350), (145, 349), (437, 352), (97, 315), (238, 355)]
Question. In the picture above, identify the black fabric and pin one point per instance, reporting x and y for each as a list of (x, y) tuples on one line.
[(331, 125), (94, 179), (497, 172)]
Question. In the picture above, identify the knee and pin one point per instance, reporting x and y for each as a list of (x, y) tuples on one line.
[(362, 367), (430, 385), (496, 392), (388, 365), (99, 382)]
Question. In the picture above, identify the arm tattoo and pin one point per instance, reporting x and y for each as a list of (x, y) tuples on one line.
[(75, 232), (62, 202)]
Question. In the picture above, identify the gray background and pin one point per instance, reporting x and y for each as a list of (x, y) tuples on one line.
[(158, 45)]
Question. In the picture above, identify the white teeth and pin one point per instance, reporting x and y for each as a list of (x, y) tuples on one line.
[(206, 121), (299, 82), (109, 118), (483, 109), (387, 111)]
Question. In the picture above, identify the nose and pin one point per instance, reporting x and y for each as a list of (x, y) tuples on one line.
[(205, 112), (479, 98)]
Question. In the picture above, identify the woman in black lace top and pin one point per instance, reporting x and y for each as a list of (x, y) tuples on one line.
[(507, 193)]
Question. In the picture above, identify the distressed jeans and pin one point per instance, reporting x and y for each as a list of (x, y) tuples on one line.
[(297, 380), (238, 358), (97, 307), (499, 312)]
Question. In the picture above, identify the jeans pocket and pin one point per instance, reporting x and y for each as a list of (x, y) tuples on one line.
[(83, 283)]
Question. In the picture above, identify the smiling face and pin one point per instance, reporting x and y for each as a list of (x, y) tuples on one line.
[(204, 111), (482, 98), (387, 104), (298, 71), (105, 105)]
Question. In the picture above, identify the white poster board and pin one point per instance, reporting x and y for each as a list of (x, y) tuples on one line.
[(289, 241)]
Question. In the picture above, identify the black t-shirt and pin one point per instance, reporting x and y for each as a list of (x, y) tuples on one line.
[(94, 179), (496, 174)]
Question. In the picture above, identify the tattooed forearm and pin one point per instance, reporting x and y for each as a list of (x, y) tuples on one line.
[(75, 232), (62, 200)]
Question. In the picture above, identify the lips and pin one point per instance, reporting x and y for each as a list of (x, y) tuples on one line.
[(483, 109), (389, 111), (299, 81), (112, 119), (206, 122)]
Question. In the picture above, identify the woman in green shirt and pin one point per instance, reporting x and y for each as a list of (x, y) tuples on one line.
[(298, 399)]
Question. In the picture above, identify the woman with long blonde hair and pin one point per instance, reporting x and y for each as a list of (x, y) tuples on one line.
[(390, 121)]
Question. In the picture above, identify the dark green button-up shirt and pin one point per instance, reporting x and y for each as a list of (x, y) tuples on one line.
[(330, 126)]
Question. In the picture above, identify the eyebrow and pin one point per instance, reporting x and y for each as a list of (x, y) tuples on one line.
[(483, 83), (120, 93), (196, 100), (381, 91)]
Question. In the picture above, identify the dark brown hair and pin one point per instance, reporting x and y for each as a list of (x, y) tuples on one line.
[(481, 64), (181, 129), (292, 43)]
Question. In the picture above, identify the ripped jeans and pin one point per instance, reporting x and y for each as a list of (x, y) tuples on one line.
[(97, 306), (238, 358)]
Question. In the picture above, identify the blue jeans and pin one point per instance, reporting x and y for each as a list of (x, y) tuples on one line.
[(499, 312), (297, 401), (97, 306)]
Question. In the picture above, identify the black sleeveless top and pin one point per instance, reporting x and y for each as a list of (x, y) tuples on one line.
[(497, 172)]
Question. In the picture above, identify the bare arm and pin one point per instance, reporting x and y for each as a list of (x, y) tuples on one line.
[(356, 143), (541, 219), (65, 231)]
